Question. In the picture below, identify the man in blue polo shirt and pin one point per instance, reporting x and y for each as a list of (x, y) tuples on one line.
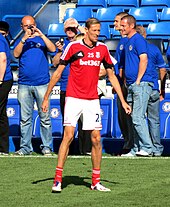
[(32, 83), (139, 83), (153, 105), (125, 121)]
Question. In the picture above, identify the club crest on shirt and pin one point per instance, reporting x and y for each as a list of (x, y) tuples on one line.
[(97, 54), (38, 45), (130, 47), (166, 107), (121, 47)]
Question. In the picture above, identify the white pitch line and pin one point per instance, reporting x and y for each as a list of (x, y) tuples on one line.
[(79, 157)]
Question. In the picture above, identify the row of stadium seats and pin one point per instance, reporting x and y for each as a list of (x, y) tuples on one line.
[(143, 15), (123, 3), (154, 30), (109, 118)]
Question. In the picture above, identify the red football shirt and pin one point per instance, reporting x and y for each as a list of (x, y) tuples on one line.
[(84, 68)]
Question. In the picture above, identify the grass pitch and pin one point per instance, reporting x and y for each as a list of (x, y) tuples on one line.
[(27, 181)]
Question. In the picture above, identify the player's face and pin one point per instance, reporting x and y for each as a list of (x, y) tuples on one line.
[(116, 23), (93, 32), (125, 27)]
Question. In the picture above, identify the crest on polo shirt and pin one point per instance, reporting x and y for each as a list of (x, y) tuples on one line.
[(38, 45), (121, 47), (130, 47), (97, 54), (166, 107)]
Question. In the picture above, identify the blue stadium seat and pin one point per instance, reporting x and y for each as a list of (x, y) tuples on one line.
[(80, 14), (158, 30), (165, 14), (123, 3), (106, 117), (104, 32), (107, 14), (165, 118), (114, 33), (13, 113), (91, 3), (55, 31), (144, 15), (159, 4)]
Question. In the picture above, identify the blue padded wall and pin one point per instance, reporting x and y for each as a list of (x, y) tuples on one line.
[(48, 15)]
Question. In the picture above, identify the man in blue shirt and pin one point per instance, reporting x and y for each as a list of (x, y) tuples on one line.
[(154, 101), (139, 82), (32, 83), (6, 81), (125, 121)]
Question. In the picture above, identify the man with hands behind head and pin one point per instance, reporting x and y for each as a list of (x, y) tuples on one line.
[(32, 83)]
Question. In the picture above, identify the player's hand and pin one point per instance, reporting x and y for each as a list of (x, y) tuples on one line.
[(45, 106), (127, 108)]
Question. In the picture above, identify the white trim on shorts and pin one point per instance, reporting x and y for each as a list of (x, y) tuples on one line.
[(89, 109)]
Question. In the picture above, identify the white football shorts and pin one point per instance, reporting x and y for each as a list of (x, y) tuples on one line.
[(89, 110)]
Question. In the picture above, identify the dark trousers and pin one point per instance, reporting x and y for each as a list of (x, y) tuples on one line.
[(5, 88), (84, 136)]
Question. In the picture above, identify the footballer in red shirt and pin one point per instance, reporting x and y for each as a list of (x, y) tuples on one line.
[(85, 57)]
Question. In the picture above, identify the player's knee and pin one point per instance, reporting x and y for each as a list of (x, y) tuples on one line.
[(96, 140)]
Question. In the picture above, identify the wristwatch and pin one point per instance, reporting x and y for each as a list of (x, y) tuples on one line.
[(22, 41)]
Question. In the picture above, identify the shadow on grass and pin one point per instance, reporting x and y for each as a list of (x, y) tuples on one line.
[(75, 180)]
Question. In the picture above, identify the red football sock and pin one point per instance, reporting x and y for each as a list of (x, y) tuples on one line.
[(58, 174), (95, 176)]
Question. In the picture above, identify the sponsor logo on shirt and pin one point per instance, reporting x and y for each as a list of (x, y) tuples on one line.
[(80, 54), (90, 62)]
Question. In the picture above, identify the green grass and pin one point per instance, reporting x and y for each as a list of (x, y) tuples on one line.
[(138, 182)]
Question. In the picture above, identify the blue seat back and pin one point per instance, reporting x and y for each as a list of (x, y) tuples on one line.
[(56, 30), (104, 32), (159, 4), (123, 3), (80, 14), (91, 3), (114, 33), (144, 15), (108, 14), (158, 30), (165, 14)]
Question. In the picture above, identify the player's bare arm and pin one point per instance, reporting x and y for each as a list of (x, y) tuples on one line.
[(115, 83), (54, 79)]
